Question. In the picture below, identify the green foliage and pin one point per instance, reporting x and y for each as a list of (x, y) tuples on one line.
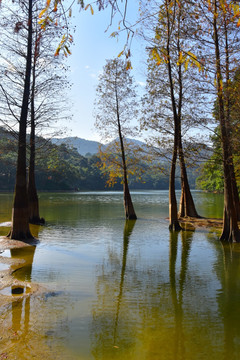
[(60, 168), (211, 177)]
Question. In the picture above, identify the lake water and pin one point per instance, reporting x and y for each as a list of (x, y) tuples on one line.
[(123, 290)]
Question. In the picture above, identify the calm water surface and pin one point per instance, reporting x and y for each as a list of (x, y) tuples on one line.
[(124, 290)]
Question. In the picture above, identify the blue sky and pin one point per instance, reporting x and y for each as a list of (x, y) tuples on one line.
[(92, 46)]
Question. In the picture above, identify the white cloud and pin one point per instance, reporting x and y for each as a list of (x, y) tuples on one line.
[(141, 83)]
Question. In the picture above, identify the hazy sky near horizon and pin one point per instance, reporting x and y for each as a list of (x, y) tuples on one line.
[(92, 46)]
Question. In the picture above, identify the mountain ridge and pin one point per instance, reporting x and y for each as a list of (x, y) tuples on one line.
[(84, 146)]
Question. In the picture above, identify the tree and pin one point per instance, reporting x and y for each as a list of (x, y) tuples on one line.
[(20, 215), (115, 107), (168, 105), (211, 174), (221, 25), (47, 81), (217, 23), (211, 178)]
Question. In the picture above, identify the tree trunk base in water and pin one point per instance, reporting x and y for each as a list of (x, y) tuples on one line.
[(175, 226), (131, 217), (21, 236), (37, 221), (20, 225), (231, 236)]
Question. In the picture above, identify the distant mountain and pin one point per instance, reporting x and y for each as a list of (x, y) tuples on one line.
[(83, 146)]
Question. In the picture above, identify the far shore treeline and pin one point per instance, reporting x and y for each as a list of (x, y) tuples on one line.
[(62, 168)]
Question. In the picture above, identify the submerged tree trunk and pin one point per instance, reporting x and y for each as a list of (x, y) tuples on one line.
[(186, 206), (128, 205), (20, 216), (173, 214), (228, 125), (33, 203), (230, 231)]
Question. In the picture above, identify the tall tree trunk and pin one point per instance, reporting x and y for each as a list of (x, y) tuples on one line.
[(230, 231), (20, 216), (33, 203), (128, 205), (173, 216), (186, 206), (228, 125)]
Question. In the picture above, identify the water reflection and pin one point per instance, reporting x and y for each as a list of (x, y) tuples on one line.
[(23, 273), (110, 332), (21, 307), (128, 228), (128, 291), (21, 316), (177, 291), (229, 299)]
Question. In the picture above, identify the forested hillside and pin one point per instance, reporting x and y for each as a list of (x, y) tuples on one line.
[(59, 168)]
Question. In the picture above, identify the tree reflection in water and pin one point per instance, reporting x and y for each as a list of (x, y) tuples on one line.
[(108, 330), (21, 307), (171, 305), (128, 228), (229, 300), (177, 291)]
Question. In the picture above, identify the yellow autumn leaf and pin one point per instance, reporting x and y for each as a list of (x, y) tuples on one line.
[(120, 54), (91, 8), (41, 21), (186, 64), (42, 12), (181, 58), (129, 65)]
